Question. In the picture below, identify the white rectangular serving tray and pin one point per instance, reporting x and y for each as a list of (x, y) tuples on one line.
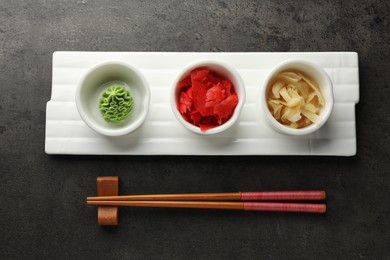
[(162, 134)]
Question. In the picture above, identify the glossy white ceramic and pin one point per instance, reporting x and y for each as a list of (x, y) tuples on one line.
[(222, 69), (311, 70), (162, 134), (94, 82)]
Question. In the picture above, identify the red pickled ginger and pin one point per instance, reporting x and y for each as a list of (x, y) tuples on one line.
[(205, 99)]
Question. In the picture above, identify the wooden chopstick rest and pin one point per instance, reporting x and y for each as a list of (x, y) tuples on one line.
[(107, 186)]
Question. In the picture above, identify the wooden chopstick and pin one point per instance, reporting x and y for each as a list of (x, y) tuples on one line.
[(233, 196), (256, 206)]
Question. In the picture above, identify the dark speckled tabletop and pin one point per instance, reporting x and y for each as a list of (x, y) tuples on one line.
[(42, 198)]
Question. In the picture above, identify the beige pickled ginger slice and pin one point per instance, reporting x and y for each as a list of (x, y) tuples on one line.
[(295, 100)]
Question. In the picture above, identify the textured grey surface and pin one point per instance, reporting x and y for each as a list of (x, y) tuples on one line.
[(42, 209)]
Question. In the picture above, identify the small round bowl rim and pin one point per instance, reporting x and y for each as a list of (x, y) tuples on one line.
[(329, 100), (127, 128), (239, 88)]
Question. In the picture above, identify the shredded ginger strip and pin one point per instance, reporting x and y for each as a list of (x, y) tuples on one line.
[(295, 100)]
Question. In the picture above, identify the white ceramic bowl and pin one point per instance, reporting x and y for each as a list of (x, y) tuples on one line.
[(318, 75), (222, 70), (96, 80)]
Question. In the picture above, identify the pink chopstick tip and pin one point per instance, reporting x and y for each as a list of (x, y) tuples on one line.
[(283, 195), (285, 207)]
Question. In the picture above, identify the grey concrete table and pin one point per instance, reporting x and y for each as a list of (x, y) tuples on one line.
[(42, 198)]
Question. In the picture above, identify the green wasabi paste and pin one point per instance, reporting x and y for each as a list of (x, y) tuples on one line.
[(115, 104)]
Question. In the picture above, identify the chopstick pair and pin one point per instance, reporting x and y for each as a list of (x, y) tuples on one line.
[(222, 201)]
